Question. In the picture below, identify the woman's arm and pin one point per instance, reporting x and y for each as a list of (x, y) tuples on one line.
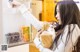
[(40, 47), (27, 14), (60, 48), (30, 18), (38, 43)]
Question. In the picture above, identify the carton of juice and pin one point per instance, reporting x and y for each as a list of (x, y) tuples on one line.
[(25, 30)]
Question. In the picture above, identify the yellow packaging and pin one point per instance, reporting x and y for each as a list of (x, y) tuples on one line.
[(25, 33)]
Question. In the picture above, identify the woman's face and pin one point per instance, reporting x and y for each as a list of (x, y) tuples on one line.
[(58, 15)]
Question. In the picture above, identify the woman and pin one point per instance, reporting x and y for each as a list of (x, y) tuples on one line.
[(69, 19), (68, 30)]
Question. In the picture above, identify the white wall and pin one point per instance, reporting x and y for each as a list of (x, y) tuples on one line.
[(1, 25), (21, 48), (12, 21)]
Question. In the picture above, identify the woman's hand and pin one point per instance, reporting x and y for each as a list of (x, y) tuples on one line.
[(15, 4)]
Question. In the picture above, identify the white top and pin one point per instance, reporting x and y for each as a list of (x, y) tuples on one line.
[(61, 47)]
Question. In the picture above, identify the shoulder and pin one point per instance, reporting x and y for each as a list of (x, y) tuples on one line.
[(74, 31), (73, 27)]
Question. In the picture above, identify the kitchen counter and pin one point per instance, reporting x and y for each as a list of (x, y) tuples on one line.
[(21, 48)]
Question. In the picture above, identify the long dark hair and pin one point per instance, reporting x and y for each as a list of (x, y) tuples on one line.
[(69, 14)]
